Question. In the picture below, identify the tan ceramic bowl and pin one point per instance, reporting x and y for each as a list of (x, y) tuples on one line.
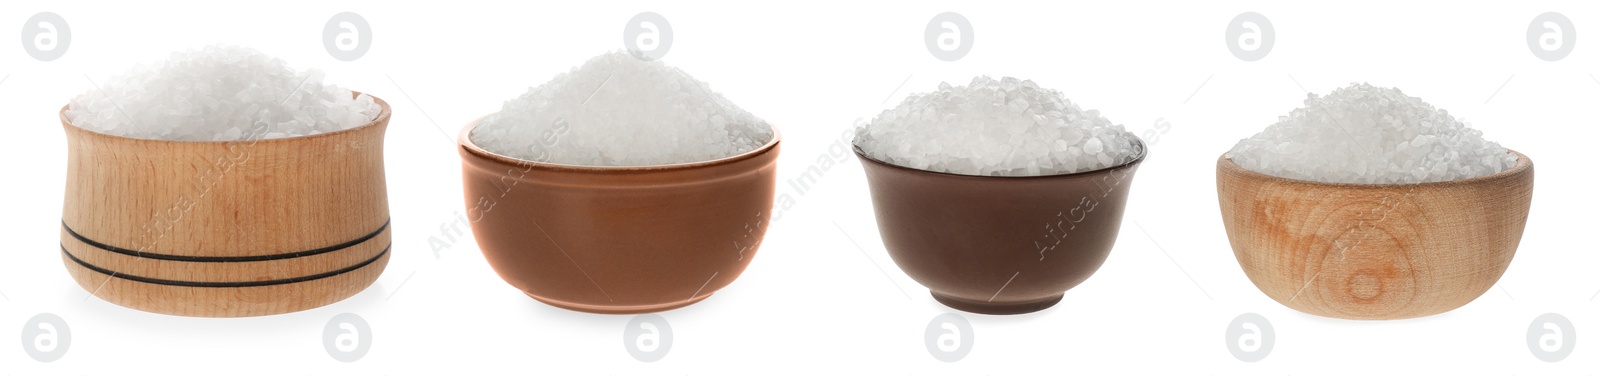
[(618, 239), (226, 228), (1374, 251)]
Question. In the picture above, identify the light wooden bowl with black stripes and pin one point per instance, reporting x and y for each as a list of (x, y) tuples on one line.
[(226, 229)]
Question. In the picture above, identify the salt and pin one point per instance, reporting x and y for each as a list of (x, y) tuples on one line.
[(1370, 135), (618, 110), (219, 93), (1005, 127)]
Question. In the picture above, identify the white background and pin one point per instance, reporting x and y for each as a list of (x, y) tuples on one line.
[(812, 302)]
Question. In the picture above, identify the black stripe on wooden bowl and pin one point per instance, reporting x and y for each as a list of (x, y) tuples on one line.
[(167, 257), (168, 282)]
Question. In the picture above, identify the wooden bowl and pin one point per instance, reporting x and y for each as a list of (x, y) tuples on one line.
[(998, 245), (618, 239), (1374, 251), (228, 228)]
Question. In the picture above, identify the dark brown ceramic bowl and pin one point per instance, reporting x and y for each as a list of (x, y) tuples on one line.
[(618, 239), (998, 245)]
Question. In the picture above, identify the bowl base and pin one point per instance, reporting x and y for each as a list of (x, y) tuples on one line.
[(618, 309), (224, 301), (997, 308)]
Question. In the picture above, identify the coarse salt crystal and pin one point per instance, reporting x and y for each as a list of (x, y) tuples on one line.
[(1357, 133), (219, 93), (617, 110), (1005, 127)]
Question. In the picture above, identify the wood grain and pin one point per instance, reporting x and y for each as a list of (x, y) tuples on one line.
[(226, 229), (1374, 251)]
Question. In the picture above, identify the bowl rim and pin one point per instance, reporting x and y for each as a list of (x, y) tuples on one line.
[(384, 112), (464, 141), (1144, 151), (1524, 165)]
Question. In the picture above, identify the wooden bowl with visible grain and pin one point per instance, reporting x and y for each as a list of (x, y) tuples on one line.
[(618, 239), (226, 228), (1374, 251)]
